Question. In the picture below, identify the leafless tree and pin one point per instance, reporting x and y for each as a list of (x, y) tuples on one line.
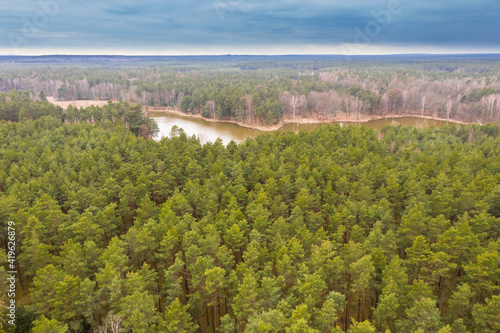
[(449, 105), (112, 324), (332, 104), (296, 101), (491, 103), (404, 96), (346, 104)]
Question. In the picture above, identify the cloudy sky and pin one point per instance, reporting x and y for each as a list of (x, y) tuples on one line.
[(249, 26)]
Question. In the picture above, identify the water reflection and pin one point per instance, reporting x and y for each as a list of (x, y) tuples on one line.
[(204, 130), (210, 131)]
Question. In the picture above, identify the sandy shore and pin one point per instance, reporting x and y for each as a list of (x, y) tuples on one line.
[(256, 127), (341, 118), (299, 120), (78, 104)]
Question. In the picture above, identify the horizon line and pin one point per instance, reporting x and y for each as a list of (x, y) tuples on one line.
[(245, 54)]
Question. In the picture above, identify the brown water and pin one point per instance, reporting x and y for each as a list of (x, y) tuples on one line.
[(210, 131)]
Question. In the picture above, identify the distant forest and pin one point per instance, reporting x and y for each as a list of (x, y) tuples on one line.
[(336, 230), (259, 90)]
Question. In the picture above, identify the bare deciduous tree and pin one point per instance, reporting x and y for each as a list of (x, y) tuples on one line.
[(423, 104), (449, 105), (112, 324), (296, 101)]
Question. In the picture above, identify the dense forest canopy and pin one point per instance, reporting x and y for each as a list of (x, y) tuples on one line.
[(339, 229), (23, 105), (265, 90)]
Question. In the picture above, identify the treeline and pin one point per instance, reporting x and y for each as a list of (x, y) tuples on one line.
[(339, 229), (452, 88), (24, 106), (21, 105)]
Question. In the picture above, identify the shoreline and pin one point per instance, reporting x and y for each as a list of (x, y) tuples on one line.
[(336, 120), (178, 112), (299, 120)]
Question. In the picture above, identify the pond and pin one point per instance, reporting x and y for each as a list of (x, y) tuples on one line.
[(210, 131)]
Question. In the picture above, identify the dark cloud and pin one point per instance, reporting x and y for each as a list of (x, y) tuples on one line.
[(160, 24), (126, 10)]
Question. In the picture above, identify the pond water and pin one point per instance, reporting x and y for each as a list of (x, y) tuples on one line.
[(210, 131)]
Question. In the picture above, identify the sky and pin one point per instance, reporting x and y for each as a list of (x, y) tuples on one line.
[(206, 27)]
